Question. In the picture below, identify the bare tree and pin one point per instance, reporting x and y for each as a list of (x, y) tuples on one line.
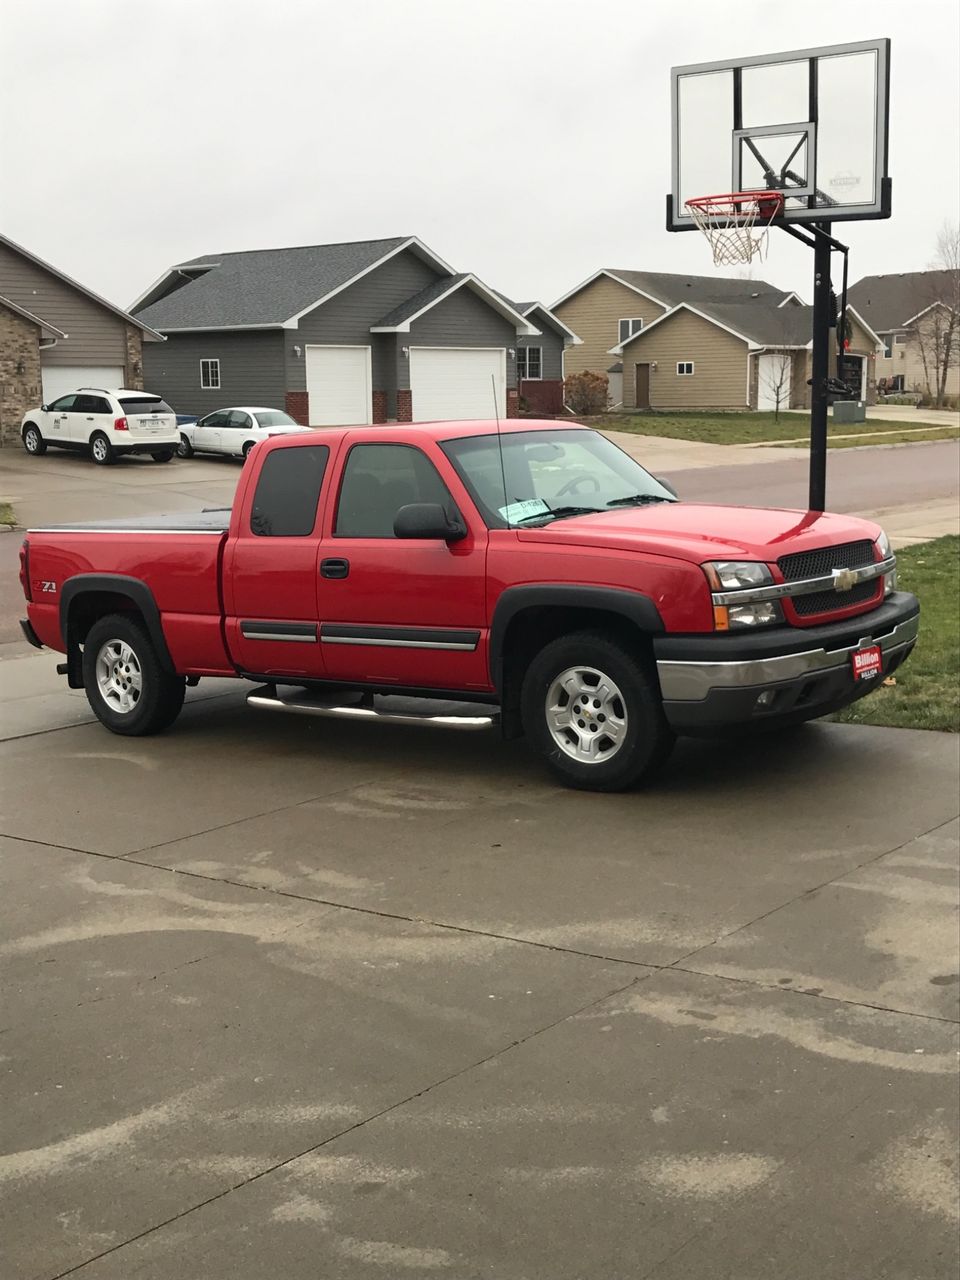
[(936, 325)]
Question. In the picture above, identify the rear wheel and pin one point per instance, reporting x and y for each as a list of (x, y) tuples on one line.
[(162, 455), (101, 450), (594, 713), (127, 688), (33, 441), (184, 448), (246, 449)]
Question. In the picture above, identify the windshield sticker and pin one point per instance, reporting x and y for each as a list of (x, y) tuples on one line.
[(515, 511)]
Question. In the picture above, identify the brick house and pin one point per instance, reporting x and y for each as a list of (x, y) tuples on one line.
[(355, 333), (56, 335)]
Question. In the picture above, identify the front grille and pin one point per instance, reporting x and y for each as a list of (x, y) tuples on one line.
[(831, 601), (817, 564)]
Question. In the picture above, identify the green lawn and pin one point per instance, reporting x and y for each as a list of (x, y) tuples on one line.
[(927, 692), (6, 514), (737, 428)]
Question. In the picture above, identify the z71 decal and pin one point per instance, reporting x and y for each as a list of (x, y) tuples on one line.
[(48, 588)]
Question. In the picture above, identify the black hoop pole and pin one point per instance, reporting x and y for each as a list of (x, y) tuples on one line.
[(821, 367)]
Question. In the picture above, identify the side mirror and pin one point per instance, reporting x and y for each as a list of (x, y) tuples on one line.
[(667, 485), (427, 520), (44, 408)]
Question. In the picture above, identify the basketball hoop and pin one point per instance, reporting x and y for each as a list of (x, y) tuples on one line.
[(736, 224)]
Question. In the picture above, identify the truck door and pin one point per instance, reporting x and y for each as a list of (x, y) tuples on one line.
[(270, 566), (400, 611)]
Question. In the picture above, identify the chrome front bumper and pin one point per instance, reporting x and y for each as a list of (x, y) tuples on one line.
[(693, 681)]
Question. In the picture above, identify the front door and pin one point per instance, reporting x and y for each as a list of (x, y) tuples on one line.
[(59, 422), (400, 612), (208, 431), (643, 386), (270, 567)]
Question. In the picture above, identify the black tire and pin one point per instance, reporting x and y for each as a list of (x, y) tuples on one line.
[(160, 696), (101, 450), (184, 448), (245, 453), (645, 738), (163, 455), (33, 441)]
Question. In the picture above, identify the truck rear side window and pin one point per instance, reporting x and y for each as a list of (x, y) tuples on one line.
[(288, 490)]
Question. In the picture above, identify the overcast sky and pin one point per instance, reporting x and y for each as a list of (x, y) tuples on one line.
[(525, 140)]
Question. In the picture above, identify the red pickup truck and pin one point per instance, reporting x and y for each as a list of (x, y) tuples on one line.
[(460, 573)]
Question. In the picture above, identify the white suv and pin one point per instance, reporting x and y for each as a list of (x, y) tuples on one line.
[(104, 424)]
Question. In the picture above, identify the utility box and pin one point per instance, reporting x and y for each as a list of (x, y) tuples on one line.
[(849, 411)]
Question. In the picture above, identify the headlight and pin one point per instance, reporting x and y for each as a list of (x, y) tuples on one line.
[(729, 575), (741, 575), (886, 551)]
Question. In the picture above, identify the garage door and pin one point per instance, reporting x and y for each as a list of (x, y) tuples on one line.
[(338, 386), (773, 380), (451, 382), (58, 379)]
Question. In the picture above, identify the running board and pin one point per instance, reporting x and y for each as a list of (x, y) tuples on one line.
[(399, 710)]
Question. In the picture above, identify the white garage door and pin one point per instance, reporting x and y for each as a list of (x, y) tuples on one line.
[(338, 386), (453, 382), (58, 379), (773, 380)]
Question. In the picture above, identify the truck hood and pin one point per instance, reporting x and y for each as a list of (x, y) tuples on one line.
[(698, 531)]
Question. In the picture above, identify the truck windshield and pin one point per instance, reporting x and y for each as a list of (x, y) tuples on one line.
[(549, 475)]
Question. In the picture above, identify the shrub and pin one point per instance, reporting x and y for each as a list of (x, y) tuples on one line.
[(586, 393)]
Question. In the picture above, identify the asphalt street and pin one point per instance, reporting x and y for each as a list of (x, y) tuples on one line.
[(310, 999)]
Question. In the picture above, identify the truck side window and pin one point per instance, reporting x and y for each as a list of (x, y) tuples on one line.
[(378, 480), (288, 490)]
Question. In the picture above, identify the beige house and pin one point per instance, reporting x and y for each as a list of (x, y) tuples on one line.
[(56, 335), (912, 312), (613, 304), (746, 355)]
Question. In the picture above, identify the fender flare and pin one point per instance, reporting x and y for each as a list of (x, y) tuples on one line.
[(117, 584), (631, 605)]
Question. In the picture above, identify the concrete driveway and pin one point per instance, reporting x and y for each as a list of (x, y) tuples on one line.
[(296, 998)]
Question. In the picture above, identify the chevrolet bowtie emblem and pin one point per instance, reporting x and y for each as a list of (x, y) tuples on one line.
[(843, 579)]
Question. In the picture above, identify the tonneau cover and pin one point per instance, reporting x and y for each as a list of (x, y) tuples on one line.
[(216, 520)]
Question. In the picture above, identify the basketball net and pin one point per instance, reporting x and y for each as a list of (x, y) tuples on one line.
[(737, 225)]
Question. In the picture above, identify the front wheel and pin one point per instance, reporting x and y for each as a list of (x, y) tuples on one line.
[(162, 455), (101, 450), (184, 448), (126, 685), (594, 713), (33, 441)]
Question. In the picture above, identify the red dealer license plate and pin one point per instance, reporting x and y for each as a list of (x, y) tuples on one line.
[(867, 663)]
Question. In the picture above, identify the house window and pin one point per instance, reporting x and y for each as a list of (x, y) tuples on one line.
[(529, 362), (887, 345), (627, 328), (684, 368), (210, 375), (899, 339)]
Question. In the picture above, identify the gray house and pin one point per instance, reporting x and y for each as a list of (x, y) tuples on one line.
[(369, 331), (57, 335)]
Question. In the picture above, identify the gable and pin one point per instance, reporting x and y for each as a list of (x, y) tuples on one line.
[(594, 312), (43, 290)]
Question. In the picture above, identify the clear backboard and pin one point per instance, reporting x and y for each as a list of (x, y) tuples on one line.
[(810, 124)]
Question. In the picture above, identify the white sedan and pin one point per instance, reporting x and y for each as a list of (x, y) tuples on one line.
[(234, 431)]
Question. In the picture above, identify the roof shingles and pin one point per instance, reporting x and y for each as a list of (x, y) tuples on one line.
[(263, 287)]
